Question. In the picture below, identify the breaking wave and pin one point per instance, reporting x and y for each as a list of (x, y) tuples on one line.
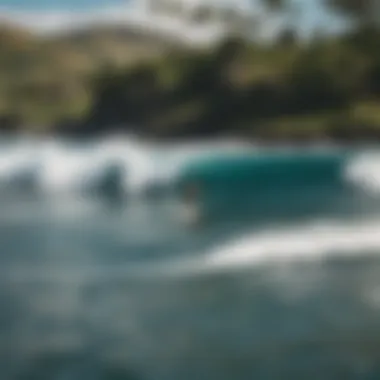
[(54, 166), (133, 166), (313, 242)]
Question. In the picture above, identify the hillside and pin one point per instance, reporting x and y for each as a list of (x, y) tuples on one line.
[(94, 80)]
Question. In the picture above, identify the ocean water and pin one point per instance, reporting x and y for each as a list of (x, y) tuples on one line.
[(101, 279)]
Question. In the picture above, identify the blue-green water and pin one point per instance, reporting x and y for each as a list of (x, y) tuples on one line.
[(100, 279)]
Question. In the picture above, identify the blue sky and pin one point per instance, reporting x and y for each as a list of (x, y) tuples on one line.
[(312, 15), (58, 4)]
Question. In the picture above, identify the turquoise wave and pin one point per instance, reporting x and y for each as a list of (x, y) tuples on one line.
[(266, 169), (262, 185)]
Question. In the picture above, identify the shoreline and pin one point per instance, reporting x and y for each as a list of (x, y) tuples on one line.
[(240, 140)]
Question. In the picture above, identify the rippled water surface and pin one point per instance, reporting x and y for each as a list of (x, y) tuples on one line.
[(101, 279)]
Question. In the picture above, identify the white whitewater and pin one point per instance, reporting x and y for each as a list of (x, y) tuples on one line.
[(61, 167), (316, 241), (364, 171)]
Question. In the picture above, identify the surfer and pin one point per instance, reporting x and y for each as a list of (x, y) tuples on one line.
[(110, 188), (191, 212)]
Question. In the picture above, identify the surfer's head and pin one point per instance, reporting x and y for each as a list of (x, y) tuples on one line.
[(191, 191)]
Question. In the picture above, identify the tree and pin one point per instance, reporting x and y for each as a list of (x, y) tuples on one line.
[(287, 37), (360, 11), (276, 5)]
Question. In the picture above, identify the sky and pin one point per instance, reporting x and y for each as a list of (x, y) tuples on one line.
[(49, 5), (312, 16)]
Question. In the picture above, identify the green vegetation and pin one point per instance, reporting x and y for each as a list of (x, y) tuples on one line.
[(96, 80)]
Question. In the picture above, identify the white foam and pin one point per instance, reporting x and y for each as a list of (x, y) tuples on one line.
[(60, 167), (17, 159), (364, 171), (316, 241), (308, 244), (64, 170)]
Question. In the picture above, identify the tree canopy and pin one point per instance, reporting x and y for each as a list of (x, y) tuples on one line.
[(99, 80)]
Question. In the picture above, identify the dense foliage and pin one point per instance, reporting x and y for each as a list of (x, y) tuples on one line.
[(105, 79)]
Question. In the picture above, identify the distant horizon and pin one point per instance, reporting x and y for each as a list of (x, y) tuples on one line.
[(64, 16), (56, 15), (58, 5)]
